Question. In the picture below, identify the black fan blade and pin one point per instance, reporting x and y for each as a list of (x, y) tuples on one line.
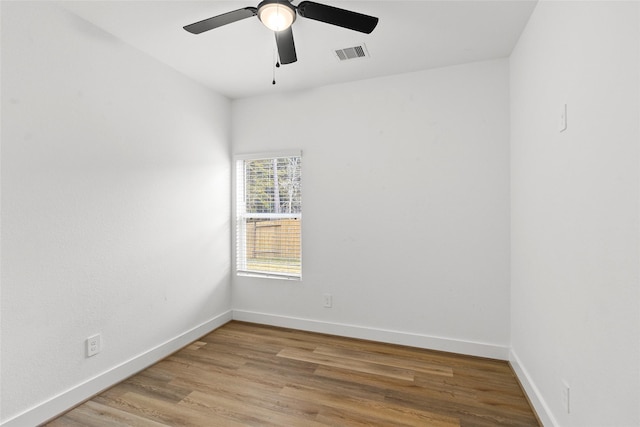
[(286, 47), (335, 16), (220, 20)]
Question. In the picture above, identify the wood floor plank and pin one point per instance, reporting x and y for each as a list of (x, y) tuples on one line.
[(386, 360), (350, 364), (170, 415), (99, 415), (245, 374), (469, 412), (298, 412), (150, 385), (384, 414), (246, 411)]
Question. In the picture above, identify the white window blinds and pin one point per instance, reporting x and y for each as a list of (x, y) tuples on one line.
[(269, 216)]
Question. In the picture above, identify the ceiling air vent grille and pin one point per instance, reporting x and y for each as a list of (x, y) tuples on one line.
[(352, 53)]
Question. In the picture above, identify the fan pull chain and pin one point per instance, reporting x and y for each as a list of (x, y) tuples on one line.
[(277, 65)]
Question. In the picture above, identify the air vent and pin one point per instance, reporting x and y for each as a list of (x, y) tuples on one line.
[(352, 52)]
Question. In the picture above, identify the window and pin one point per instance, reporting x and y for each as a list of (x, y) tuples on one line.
[(269, 216)]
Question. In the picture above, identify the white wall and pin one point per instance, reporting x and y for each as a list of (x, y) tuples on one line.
[(115, 209), (575, 285), (405, 207)]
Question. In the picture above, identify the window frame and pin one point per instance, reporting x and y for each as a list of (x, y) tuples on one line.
[(241, 217)]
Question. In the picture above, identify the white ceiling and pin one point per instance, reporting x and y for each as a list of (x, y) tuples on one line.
[(237, 60)]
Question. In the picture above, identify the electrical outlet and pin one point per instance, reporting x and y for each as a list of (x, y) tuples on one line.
[(328, 300), (93, 345), (566, 397)]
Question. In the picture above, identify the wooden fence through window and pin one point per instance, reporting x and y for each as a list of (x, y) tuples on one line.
[(273, 239)]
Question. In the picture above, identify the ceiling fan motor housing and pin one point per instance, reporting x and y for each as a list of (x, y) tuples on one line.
[(277, 15)]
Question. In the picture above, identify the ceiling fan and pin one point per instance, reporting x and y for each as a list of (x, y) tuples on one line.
[(278, 15)]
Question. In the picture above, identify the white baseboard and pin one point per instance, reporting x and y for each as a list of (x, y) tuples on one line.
[(539, 404), (374, 334), (72, 397)]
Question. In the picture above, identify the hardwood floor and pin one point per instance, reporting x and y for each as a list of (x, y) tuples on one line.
[(253, 375)]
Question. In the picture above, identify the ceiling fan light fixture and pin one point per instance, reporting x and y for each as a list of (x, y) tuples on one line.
[(276, 15)]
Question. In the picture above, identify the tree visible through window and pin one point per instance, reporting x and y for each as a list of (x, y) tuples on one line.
[(269, 216)]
